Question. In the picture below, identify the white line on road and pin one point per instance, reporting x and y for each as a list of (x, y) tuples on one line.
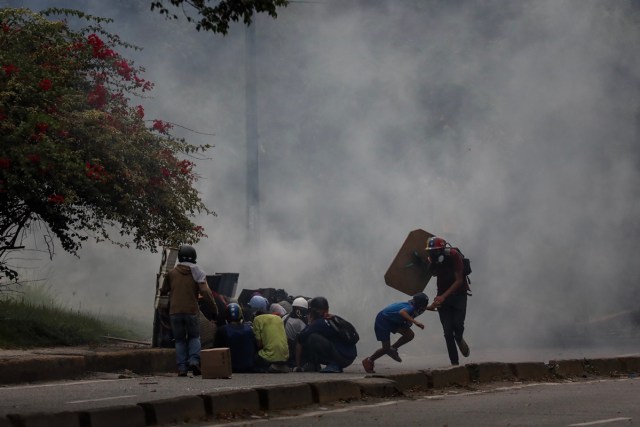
[(594, 423), (304, 415), (102, 399), (64, 384)]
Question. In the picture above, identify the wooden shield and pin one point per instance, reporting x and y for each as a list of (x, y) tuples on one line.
[(409, 271)]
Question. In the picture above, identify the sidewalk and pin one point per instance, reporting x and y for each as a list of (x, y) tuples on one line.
[(21, 366)]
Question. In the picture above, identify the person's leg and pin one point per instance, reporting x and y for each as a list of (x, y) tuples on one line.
[(406, 335), (381, 351), (193, 342), (446, 319), (323, 352), (179, 330), (319, 349), (459, 315)]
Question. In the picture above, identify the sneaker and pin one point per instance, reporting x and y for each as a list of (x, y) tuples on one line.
[(331, 369), (393, 353), (195, 370), (464, 347), (311, 367), (278, 368), (367, 364), (182, 373)]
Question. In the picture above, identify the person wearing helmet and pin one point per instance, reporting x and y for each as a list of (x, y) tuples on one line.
[(446, 263), (276, 308), (271, 338), (183, 284), (396, 318), (239, 338), (294, 323), (320, 344)]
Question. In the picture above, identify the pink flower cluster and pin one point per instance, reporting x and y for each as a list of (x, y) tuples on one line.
[(100, 50), (162, 127)]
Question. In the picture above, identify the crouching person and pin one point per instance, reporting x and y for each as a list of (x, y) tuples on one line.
[(320, 344), (239, 338), (271, 338)]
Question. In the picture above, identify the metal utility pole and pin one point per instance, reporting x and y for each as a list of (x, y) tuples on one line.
[(251, 129)]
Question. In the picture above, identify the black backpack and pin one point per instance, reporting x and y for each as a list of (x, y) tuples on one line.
[(346, 331), (466, 267)]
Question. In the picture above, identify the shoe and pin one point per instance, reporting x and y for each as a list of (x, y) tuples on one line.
[(367, 364), (464, 347), (311, 367), (182, 373), (393, 353), (278, 368), (195, 370), (331, 369)]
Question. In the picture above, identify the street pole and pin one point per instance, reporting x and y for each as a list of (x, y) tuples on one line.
[(251, 129)]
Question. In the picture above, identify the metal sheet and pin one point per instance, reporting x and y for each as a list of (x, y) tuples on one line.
[(409, 271)]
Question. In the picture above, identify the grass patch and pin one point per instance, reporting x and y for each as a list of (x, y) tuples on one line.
[(33, 319)]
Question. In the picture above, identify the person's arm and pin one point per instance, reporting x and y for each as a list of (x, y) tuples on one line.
[(298, 355), (406, 316), (257, 332), (457, 283), (166, 286), (208, 297)]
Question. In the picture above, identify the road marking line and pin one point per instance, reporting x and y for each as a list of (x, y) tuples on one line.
[(593, 423), (102, 399), (64, 384), (305, 415)]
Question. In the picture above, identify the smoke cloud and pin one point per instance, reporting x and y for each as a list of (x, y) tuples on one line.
[(508, 128)]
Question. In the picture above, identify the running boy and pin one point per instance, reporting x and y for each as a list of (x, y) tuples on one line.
[(396, 318)]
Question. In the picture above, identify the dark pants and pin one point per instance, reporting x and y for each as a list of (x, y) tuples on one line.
[(320, 351), (452, 314)]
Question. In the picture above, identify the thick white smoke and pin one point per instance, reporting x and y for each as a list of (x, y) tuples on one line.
[(509, 128)]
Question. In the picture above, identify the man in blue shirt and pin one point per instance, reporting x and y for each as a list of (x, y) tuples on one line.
[(396, 318)]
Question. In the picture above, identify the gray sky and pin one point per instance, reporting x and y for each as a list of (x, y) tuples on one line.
[(509, 128)]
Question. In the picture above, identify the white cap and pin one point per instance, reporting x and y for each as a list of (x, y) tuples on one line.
[(300, 302)]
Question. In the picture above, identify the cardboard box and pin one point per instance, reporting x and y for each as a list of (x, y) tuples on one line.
[(215, 363)]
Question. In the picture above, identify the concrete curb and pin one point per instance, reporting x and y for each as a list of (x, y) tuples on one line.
[(58, 367), (272, 398), (377, 387), (334, 390), (121, 416), (285, 396), (174, 411), (41, 368)]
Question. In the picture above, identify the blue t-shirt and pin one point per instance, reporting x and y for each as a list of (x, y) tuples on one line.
[(391, 313)]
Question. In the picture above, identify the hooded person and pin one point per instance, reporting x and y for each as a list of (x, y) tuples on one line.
[(271, 338), (294, 323), (320, 344), (184, 283)]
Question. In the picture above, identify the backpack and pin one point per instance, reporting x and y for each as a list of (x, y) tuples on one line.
[(346, 331), (466, 262), (466, 267)]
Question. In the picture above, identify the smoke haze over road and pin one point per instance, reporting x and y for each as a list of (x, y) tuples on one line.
[(509, 128)]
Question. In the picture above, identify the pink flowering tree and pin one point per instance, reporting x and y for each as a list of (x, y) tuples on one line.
[(78, 159)]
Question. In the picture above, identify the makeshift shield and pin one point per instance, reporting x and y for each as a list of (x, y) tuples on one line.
[(409, 271)]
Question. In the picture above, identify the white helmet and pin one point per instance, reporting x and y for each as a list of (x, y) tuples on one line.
[(300, 302)]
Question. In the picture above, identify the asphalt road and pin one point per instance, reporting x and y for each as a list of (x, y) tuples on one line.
[(105, 390), (611, 402)]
